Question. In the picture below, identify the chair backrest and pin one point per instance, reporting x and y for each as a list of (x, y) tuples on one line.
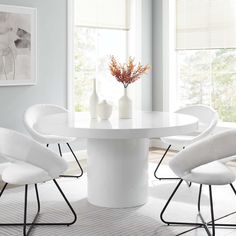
[(207, 118), (211, 148), (18, 147), (35, 112)]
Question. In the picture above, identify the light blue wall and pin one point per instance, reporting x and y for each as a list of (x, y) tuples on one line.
[(152, 53), (51, 63)]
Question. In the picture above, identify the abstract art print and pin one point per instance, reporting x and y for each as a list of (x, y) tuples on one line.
[(17, 45)]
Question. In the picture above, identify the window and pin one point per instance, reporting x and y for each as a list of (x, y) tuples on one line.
[(208, 77), (93, 48), (101, 29), (206, 55)]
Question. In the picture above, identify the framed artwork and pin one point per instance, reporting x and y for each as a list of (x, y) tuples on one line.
[(17, 45)]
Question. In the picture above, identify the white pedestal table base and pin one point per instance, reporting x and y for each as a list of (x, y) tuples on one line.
[(118, 172)]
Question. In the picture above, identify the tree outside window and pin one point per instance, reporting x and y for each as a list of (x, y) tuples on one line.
[(208, 77)]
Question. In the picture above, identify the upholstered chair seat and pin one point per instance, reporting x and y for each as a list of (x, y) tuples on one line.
[(213, 173), (21, 173)]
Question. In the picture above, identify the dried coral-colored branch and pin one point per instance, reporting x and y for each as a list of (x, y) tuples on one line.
[(127, 73)]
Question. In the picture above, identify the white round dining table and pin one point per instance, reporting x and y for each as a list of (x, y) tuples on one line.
[(117, 150)]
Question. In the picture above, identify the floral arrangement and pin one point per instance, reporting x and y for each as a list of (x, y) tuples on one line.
[(127, 73)]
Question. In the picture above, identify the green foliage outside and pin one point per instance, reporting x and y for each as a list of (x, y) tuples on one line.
[(209, 77), (85, 67), (92, 49)]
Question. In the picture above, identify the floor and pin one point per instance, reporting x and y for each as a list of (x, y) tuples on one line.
[(159, 191)]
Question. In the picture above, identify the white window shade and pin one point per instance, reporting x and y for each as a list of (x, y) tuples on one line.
[(111, 14), (206, 24)]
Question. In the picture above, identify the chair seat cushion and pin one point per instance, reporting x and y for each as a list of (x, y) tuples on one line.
[(180, 140), (52, 139), (3, 166), (213, 173), (21, 173)]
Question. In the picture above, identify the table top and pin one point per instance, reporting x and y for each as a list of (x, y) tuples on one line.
[(142, 125)]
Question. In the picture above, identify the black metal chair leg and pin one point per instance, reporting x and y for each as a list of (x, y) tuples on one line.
[(26, 233), (37, 197), (34, 223), (25, 211), (199, 199), (229, 214), (175, 222), (231, 185), (77, 161), (4, 187), (212, 211), (59, 148), (68, 203), (199, 213), (204, 224), (167, 203), (158, 165)]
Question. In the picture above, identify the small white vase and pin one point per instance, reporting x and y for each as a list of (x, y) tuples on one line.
[(125, 106), (93, 102), (104, 110)]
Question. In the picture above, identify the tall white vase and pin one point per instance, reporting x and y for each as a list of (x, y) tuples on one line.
[(125, 106), (93, 102)]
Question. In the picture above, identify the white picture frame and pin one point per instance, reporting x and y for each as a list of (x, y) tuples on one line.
[(18, 45)]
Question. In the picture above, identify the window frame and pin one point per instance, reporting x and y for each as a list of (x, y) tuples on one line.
[(70, 52), (169, 55), (134, 51), (170, 65)]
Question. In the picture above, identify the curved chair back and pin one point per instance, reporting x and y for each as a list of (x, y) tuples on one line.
[(18, 147), (33, 113), (207, 118), (212, 148)]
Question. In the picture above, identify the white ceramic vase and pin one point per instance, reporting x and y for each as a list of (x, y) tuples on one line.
[(93, 102), (104, 110), (125, 106)]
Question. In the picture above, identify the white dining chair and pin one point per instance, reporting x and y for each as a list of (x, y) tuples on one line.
[(33, 114), (30, 163), (201, 163), (207, 120)]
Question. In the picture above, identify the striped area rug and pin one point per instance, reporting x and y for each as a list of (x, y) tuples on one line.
[(97, 221)]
